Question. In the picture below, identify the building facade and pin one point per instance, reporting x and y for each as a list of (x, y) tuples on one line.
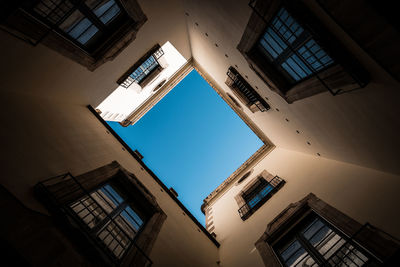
[(317, 81)]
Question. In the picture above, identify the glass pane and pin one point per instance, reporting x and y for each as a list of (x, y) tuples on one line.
[(89, 211), (114, 238), (143, 70), (316, 57), (275, 44), (296, 68), (132, 217), (105, 10), (287, 26), (79, 27), (112, 194), (295, 255)]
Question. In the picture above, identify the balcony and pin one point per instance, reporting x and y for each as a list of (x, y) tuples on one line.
[(259, 195), (106, 224), (245, 92)]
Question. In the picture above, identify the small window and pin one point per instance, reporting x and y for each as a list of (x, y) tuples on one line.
[(291, 49), (110, 217), (145, 70), (257, 192), (316, 243), (246, 94)]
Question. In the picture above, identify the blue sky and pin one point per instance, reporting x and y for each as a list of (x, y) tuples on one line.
[(192, 140)]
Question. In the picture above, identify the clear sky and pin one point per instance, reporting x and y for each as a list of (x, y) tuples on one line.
[(192, 140)]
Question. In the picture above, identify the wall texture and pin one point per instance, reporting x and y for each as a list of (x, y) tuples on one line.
[(364, 194)]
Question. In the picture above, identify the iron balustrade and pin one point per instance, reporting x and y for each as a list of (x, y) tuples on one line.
[(246, 90), (144, 70), (320, 244), (102, 235), (304, 61), (259, 195)]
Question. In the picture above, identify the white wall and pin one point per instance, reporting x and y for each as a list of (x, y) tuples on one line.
[(364, 194)]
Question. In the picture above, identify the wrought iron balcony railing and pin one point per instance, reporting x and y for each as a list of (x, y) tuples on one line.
[(109, 230), (263, 193), (246, 91), (149, 66)]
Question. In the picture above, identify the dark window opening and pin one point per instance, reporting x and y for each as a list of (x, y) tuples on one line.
[(291, 48), (143, 71), (316, 243), (86, 23), (247, 94)]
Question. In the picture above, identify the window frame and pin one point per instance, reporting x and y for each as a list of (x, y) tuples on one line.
[(57, 194), (291, 49), (377, 244), (89, 14), (344, 76), (260, 182), (126, 80), (109, 217), (310, 249), (24, 24)]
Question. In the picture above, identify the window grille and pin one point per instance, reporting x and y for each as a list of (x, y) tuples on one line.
[(291, 53), (316, 243), (258, 194), (146, 68), (247, 93), (84, 23), (291, 49), (106, 216)]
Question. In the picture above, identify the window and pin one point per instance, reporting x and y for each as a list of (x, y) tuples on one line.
[(89, 32), (256, 193), (247, 95), (109, 213), (143, 71), (316, 243), (86, 23), (291, 49), (110, 218), (310, 232)]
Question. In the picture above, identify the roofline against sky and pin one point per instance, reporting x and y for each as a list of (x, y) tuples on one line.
[(168, 86), (155, 177), (176, 78), (249, 163)]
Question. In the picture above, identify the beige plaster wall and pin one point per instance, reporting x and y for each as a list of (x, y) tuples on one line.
[(364, 194), (46, 137), (359, 127), (47, 130)]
